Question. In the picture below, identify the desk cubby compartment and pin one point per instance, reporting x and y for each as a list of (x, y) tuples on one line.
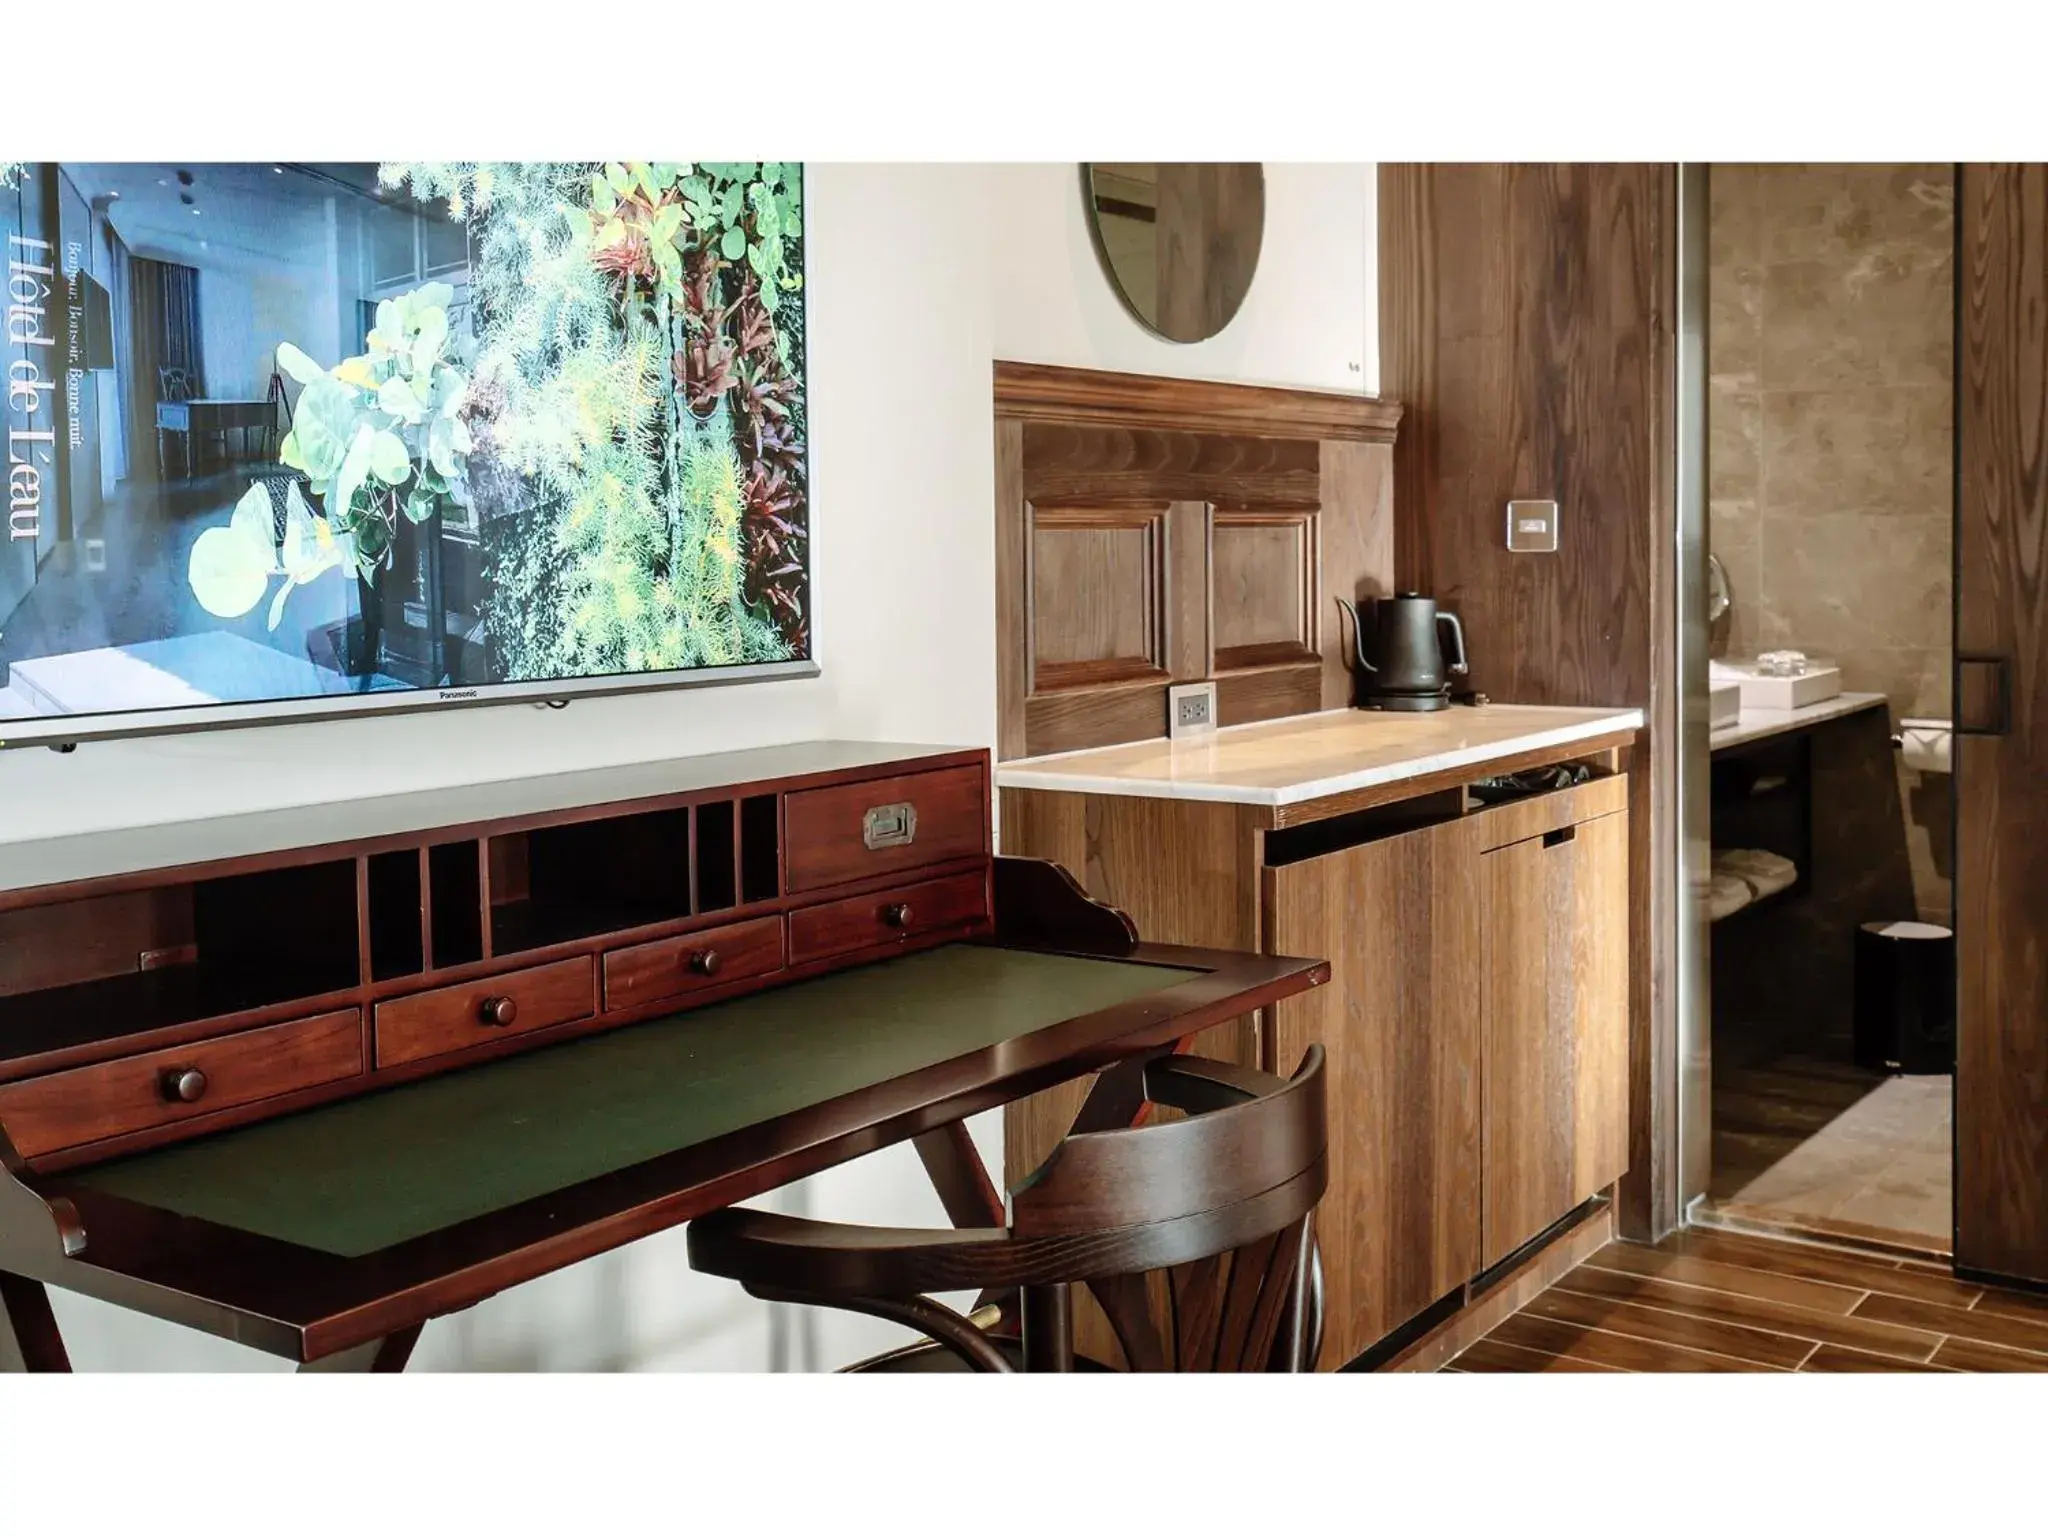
[(607, 874), (455, 903), (396, 932), (76, 975)]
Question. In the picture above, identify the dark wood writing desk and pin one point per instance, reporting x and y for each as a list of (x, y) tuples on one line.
[(330, 1235)]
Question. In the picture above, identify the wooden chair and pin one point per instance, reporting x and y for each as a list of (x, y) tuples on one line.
[(1216, 1207)]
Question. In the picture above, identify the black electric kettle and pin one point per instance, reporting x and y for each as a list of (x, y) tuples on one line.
[(1410, 671)]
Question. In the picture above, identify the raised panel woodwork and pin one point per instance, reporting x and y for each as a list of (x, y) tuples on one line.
[(1265, 587), (2001, 1190), (1098, 596), (1525, 318), (1398, 920), (1112, 583), (1554, 940)]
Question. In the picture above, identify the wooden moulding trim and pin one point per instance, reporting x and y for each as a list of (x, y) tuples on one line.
[(1089, 397)]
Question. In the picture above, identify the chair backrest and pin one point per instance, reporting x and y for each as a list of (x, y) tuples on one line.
[(174, 384), (1193, 1234)]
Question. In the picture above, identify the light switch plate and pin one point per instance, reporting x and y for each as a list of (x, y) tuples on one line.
[(1190, 709), (1532, 527)]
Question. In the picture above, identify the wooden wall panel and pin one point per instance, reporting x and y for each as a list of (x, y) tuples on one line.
[(1185, 871), (1013, 662), (1525, 321), (1109, 464), (2001, 1193), (1265, 587), (1537, 372), (1098, 596), (1358, 549), (1201, 530)]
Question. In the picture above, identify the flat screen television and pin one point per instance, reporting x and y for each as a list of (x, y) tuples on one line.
[(399, 435)]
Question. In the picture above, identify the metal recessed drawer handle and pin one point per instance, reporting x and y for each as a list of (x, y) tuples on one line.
[(1560, 835), (889, 826)]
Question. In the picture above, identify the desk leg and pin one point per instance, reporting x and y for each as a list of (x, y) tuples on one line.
[(959, 1175), (376, 1357), (29, 1340)]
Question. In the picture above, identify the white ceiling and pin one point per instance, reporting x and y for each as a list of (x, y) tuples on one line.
[(276, 213)]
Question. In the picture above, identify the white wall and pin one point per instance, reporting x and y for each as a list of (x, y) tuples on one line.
[(918, 277), (1310, 319)]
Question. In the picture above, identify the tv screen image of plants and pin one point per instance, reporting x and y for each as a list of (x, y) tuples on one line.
[(289, 431)]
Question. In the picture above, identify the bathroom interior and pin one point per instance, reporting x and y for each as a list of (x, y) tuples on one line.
[(1830, 530)]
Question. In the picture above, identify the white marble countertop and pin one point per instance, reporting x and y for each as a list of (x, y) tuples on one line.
[(1305, 757), (1757, 724)]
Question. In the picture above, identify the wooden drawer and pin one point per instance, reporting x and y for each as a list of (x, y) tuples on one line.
[(1512, 822), (677, 967), (139, 1093), (864, 922), (456, 1018), (855, 831)]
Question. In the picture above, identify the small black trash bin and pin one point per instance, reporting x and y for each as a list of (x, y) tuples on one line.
[(1906, 997)]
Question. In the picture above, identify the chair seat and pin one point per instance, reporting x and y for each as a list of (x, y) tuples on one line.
[(927, 1356)]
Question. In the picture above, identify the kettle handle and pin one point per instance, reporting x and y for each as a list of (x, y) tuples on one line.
[(1457, 662), (1358, 636)]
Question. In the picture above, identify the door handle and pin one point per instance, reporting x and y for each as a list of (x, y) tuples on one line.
[(2002, 707)]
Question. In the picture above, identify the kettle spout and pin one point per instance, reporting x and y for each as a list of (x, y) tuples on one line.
[(1357, 635)]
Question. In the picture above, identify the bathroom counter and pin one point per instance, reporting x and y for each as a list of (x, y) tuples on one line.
[(1310, 757), (1761, 724)]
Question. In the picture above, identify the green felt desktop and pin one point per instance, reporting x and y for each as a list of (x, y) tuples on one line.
[(358, 1176)]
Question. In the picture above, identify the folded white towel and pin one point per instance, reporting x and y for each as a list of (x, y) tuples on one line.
[(1763, 872), (1726, 894)]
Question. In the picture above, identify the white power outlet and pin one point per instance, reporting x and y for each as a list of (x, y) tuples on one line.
[(1190, 709)]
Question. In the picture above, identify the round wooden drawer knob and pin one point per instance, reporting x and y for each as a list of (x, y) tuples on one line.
[(184, 1085), (897, 914), (498, 1010), (705, 962)]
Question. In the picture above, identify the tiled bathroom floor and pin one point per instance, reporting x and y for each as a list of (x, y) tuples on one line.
[(1868, 1159)]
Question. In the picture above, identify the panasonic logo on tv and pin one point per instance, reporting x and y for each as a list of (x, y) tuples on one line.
[(450, 695)]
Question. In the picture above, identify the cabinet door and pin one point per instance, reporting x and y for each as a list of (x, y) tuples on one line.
[(1398, 921), (1555, 945)]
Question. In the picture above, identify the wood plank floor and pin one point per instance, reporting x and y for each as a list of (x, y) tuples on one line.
[(1703, 1300)]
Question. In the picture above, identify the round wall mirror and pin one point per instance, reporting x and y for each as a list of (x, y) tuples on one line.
[(1180, 242)]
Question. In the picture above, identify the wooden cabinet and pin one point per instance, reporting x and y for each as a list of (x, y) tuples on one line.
[(1399, 920), (1475, 1024), (1553, 941)]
